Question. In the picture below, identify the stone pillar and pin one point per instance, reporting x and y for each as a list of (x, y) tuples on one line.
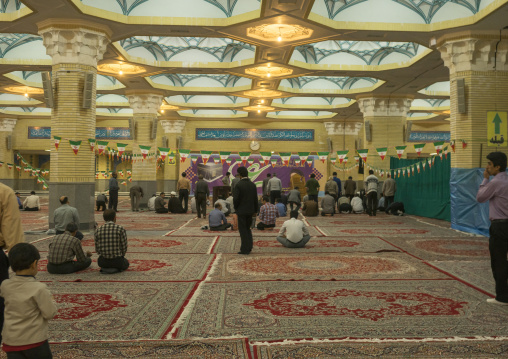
[(386, 117), (343, 136), (75, 48), (6, 155), (172, 129), (145, 106), (480, 59)]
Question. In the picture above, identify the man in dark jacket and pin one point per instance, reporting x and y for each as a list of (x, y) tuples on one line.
[(245, 199), (113, 192), (202, 193), (160, 204), (174, 204)]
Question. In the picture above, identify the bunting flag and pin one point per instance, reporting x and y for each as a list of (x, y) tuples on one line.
[(205, 155), (381, 151), (438, 146), (91, 142), (163, 152), (250, 161), (120, 172), (341, 155), (129, 179), (297, 160), (194, 158), (124, 183), (309, 161), (57, 141), (400, 150), (452, 145), (445, 150), (9, 166), (121, 148), (323, 156), (357, 159), (216, 160), (418, 167), (430, 162), (101, 145), (285, 156), (419, 148), (398, 173), (129, 173), (464, 144), (229, 160), (171, 157), (273, 161), (97, 175), (413, 170), (363, 153), (304, 156), (44, 186), (266, 157), (345, 160), (184, 154), (224, 156), (144, 150), (244, 156), (18, 167), (333, 160), (423, 165), (75, 146), (382, 173)]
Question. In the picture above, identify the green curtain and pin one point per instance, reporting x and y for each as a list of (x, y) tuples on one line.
[(427, 193)]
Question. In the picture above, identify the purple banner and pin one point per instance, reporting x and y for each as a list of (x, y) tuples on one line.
[(213, 173)]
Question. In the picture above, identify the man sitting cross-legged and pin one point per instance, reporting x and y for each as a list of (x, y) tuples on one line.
[(267, 214), (62, 251), (217, 219), (294, 233), (111, 245)]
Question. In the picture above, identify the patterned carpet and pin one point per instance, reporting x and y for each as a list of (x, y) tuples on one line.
[(363, 286)]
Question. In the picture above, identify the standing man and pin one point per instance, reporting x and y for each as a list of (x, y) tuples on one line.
[(339, 184), (111, 245), (136, 193), (312, 186), (265, 190), (332, 188), (32, 203), (245, 199), (226, 180), (202, 194), (294, 198), (389, 189), (64, 215), (371, 185), (496, 192), (113, 192), (183, 188), (234, 182), (350, 188), (102, 200), (274, 188), (11, 233)]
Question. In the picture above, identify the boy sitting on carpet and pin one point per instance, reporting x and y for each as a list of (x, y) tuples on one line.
[(28, 307)]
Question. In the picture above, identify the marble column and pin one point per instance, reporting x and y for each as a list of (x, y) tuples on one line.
[(172, 129), (75, 48), (343, 137)]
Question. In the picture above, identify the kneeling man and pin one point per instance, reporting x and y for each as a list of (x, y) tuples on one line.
[(217, 219), (294, 233), (62, 251), (111, 245)]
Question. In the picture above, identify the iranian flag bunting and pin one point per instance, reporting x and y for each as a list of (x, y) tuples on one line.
[(121, 149), (381, 151), (144, 150), (273, 160), (101, 145), (124, 183), (423, 165), (129, 179), (205, 155), (18, 167), (91, 142), (413, 170), (266, 157), (429, 161), (194, 158), (445, 150), (464, 144), (250, 161), (224, 156), (216, 160), (310, 160), (419, 148), (452, 145), (229, 160), (57, 141), (418, 167), (285, 156), (304, 156), (341, 155), (171, 157), (129, 173), (400, 150), (184, 154), (1, 163), (398, 173), (297, 160), (333, 160), (345, 160), (363, 153), (163, 152), (244, 156), (9, 166), (44, 186), (323, 156), (438, 146), (75, 146), (357, 159)]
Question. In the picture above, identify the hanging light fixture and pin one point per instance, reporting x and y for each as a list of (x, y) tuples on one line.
[(120, 72), (279, 39)]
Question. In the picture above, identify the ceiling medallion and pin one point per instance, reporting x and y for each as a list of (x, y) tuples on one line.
[(259, 108), (268, 71), (279, 32), (120, 69), (24, 90), (263, 93)]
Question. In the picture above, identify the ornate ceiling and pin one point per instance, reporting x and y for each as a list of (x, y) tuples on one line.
[(266, 60)]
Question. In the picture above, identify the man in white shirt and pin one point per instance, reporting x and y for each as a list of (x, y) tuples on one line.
[(224, 206), (231, 204), (32, 203), (357, 204), (151, 202), (274, 187), (294, 233)]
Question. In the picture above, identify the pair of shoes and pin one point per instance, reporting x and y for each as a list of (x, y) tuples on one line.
[(495, 301), (109, 270), (246, 253)]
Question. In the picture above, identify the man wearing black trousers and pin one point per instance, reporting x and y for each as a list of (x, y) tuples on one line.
[(113, 192), (245, 200)]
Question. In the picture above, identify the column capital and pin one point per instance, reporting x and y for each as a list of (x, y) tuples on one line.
[(466, 51), (79, 42), (145, 102), (384, 106), (175, 126), (7, 124), (337, 128)]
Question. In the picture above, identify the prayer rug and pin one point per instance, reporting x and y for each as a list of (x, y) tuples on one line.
[(115, 311), (402, 350), (477, 273), (397, 231), (196, 231), (182, 349), (337, 309), (143, 224), (312, 266), (146, 267), (315, 245), (467, 248)]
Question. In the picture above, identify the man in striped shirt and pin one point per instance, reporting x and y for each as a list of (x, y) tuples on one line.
[(267, 214), (111, 245)]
